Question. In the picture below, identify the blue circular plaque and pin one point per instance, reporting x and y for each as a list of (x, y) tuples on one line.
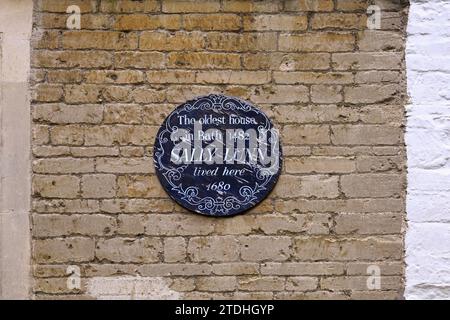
[(218, 155)]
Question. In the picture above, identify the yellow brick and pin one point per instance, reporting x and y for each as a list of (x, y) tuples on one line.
[(129, 6), (326, 41), (146, 22), (237, 77), (251, 6), (108, 40), (184, 6), (276, 22), (309, 5), (171, 76), (338, 21), (204, 60), (164, 41), (241, 42), (212, 22)]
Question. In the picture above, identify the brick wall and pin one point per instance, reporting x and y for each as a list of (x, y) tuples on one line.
[(335, 90)]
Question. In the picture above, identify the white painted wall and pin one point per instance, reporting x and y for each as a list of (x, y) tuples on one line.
[(428, 145)]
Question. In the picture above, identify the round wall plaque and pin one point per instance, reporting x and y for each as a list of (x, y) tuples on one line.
[(217, 155)]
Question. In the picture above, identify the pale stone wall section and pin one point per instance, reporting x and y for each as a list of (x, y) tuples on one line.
[(428, 141), (15, 31)]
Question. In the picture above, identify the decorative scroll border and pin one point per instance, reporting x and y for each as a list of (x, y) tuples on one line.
[(217, 206)]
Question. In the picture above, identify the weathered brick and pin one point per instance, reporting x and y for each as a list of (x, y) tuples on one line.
[(175, 249), (142, 250), (63, 165), (371, 93), (66, 206), (122, 135), (213, 249), (236, 268), (62, 114), (306, 134), (83, 93), (115, 77), (190, 6), (88, 22), (59, 250), (49, 151), (171, 76), (62, 5), (139, 186), (92, 152), (280, 94), (303, 268), (107, 40), (326, 93), (367, 61), (241, 42), (131, 152), (260, 248), (55, 286), (309, 5), (313, 78), (281, 224), (301, 283), (251, 6), (352, 5), (375, 40), (180, 94), (203, 60), (262, 284), (380, 163), (237, 77), (307, 186), (212, 22), (98, 186), (221, 284), (386, 268), (351, 223), (286, 61), (319, 165), (348, 205), (174, 269), (165, 41), (124, 165), (48, 186), (178, 224), (64, 76), (310, 42), (139, 60), (377, 76), (52, 225), (371, 248), (71, 59), (48, 93), (358, 283), (129, 6), (40, 134), (372, 185), (365, 134), (137, 205), (146, 95), (125, 114), (131, 224), (147, 22), (338, 21), (275, 22)]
